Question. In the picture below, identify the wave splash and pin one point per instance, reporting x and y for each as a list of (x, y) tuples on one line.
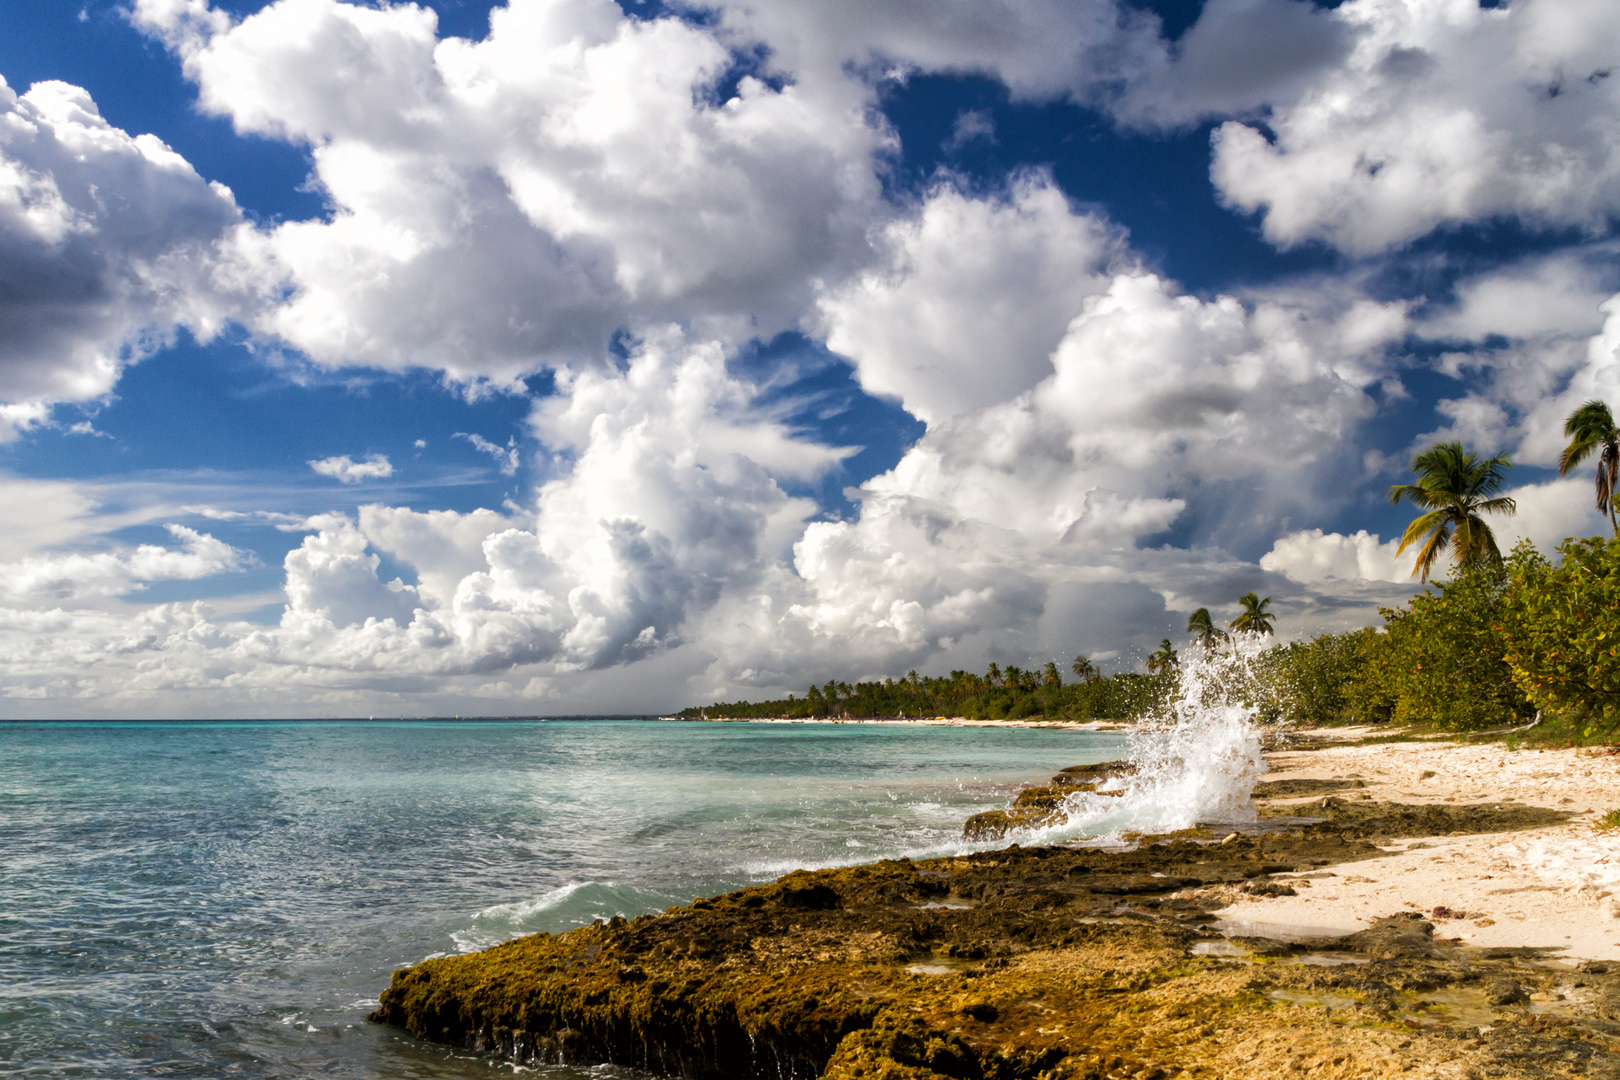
[(575, 904), (1196, 763)]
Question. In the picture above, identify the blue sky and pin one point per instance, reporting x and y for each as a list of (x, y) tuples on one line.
[(618, 357)]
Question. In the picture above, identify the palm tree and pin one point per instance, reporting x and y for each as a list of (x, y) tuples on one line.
[(1591, 430), (1455, 487), (1200, 624), (1085, 670), (1050, 675), (1254, 618), (1164, 659)]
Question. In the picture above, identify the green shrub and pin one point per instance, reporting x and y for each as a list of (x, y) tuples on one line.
[(1562, 624), (1443, 660)]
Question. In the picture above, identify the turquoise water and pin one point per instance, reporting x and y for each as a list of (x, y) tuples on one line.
[(227, 899)]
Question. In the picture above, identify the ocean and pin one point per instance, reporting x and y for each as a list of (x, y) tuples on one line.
[(227, 899)]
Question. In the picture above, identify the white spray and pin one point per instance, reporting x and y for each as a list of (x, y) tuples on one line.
[(1195, 763)]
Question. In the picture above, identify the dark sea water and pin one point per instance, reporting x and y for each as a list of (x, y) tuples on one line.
[(228, 899)]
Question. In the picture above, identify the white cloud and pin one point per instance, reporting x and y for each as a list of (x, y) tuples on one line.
[(1444, 111), (502, 205), (970, 126), (970, 297), (332, 580), (345, 470), (1041, 49), (76, 576), (443, 546), (1559, 295), (506, 457), (701, 415), (1001, 524), (1593, 372), (1557, 333), (1314, 558), (656, 513), (664, 532), (507, 204), (105, 247), (1551, 512), (1239, 57)]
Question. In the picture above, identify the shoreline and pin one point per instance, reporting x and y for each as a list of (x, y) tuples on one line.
[(1398, 906), (920, 721)]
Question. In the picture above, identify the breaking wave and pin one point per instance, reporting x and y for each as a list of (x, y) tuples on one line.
[(1196, 763), (576, 904)]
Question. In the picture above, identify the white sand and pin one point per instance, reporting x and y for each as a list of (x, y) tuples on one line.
[(924, 721), (1557, 887)]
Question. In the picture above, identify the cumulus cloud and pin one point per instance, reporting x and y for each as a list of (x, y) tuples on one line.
[(1551, 512), (1442, 112), (1041, 49), (510, 203), (1104, 450), (665, 530), (1155, 402), (346, 470), (1240, 56), (659, 508), (1314, 557), (106, 246), (76, 576), (332, 580), (970, 296), (1533, 340)]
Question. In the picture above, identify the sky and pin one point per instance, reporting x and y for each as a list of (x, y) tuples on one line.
[(571, 356)]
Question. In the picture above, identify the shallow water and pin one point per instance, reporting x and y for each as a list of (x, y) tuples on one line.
[(214, 900)]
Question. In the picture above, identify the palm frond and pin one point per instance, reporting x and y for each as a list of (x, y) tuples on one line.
[(1421, 527), (1488, 476), (1416, 494), (1578, 450), (1437, 543), (1589, 426)]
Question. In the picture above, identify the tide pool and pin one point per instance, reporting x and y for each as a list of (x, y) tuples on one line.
[(227, 899)]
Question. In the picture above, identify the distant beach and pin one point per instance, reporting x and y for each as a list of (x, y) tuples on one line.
[(920, 721)]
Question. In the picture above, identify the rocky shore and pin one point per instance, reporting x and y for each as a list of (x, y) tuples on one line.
[(1048, 963)]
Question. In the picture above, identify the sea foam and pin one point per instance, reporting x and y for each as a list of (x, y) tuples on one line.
[(575, 904), (1195, 763)]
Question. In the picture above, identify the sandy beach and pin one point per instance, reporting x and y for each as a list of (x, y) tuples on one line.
[(1554, 887), (921, 721)]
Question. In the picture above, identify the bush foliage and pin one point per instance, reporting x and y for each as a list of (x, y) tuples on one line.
[(1562, 638)]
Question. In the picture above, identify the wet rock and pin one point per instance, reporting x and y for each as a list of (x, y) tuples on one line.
[(1405, 936), (1044, 806), (1295, 789), (1268, 888), (1059, 962), (1092, 775), (1506, 992), (813, 896), (1388, 819)]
